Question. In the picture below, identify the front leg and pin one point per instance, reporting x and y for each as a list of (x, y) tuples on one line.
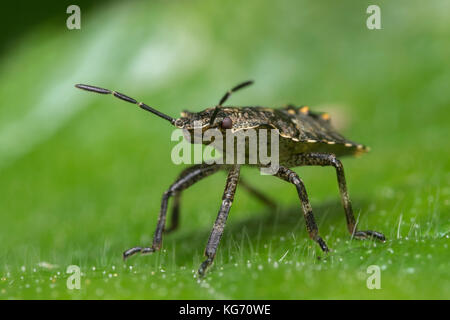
[(187, 178), (219, 224), (324, 159)]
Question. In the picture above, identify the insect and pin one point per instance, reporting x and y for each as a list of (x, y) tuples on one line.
[(306, 139)]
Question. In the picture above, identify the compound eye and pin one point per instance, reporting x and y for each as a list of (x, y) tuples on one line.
[(226, 123)]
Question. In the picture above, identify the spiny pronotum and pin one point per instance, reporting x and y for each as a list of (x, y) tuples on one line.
[(306, 139)]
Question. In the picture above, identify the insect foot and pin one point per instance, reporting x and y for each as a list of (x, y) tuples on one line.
[(362, 235), (204, 267), (146, 250), (322, 244)]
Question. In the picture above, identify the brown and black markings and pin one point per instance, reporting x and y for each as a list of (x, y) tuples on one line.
[(306, 139)]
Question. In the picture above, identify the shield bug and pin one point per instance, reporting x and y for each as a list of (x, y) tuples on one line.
[(307, 138)]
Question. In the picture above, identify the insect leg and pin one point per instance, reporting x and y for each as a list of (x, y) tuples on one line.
[(324, 159), (292, 177), (174, 221), (175, 217), (258, 194), (187, 178), (219, 224)]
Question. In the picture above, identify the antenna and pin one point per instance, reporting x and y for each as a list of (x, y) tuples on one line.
[(125, 98)]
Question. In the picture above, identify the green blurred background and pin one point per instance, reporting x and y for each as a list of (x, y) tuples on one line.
[(81, 175)]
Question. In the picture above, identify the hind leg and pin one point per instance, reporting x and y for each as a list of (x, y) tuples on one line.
[(324, 159)]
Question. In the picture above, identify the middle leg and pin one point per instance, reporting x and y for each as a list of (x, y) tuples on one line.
[(175, 217), (292, 177), (257, 194)]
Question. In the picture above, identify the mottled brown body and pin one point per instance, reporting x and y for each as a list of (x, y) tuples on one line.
[(306, 139), (300, 130)]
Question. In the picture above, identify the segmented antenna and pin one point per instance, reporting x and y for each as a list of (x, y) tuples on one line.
[(225, 98), (125, 98)]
